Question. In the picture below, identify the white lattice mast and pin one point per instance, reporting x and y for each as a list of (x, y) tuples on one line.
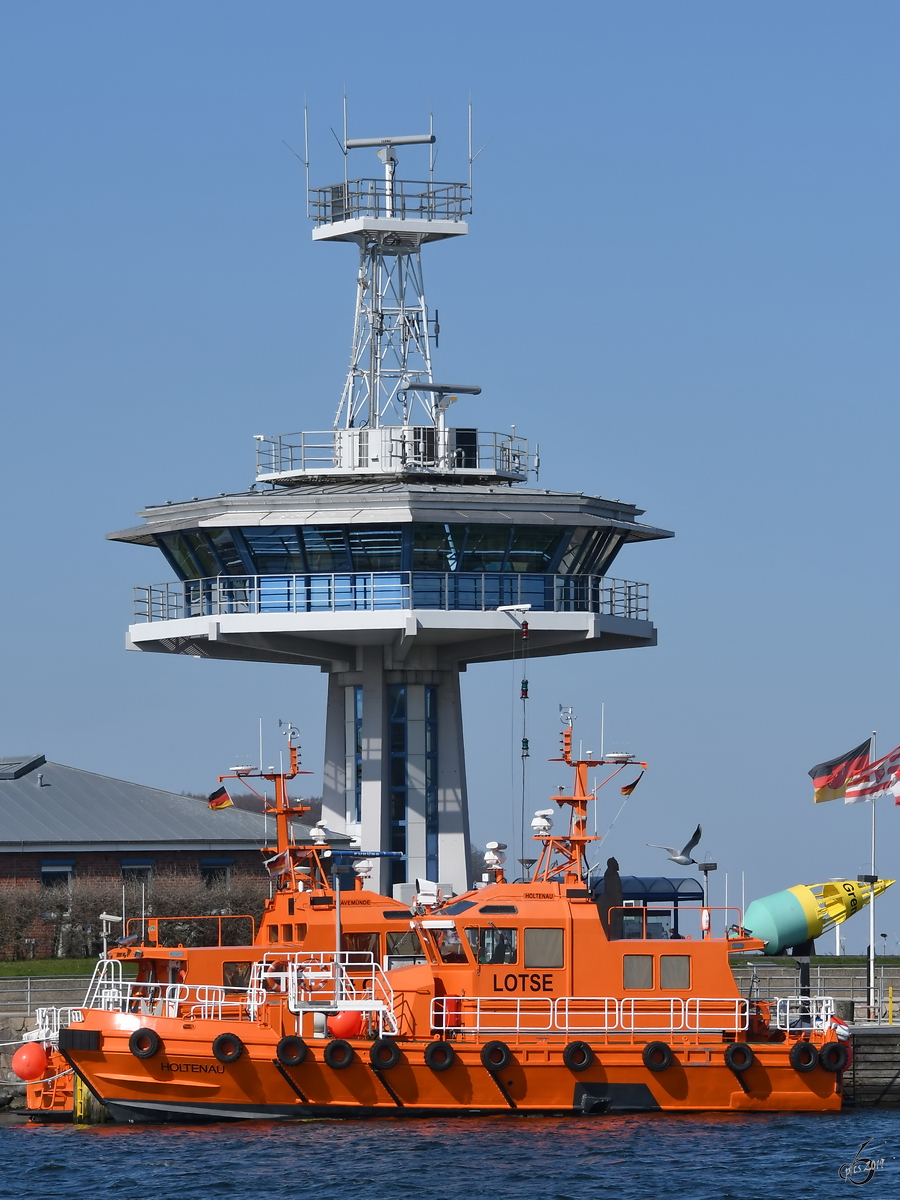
[(390, 375), (391, 343)]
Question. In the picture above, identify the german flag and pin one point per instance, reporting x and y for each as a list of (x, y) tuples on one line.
[(830, 778), (220, 799), (629, 787)]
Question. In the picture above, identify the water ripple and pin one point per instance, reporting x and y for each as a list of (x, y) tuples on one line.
[(700, 1157)]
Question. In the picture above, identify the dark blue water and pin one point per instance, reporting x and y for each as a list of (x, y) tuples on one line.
[(745, 1157)]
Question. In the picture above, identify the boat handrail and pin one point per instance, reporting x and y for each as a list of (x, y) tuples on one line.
[(803, 1012), (463, 1015)]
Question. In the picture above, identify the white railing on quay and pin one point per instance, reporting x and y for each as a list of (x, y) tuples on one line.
[(376, 591), (24, 995)]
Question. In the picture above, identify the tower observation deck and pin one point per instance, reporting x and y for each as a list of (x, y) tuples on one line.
[(392, 550)]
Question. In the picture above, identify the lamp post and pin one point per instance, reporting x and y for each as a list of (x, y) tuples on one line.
[(871, 880)]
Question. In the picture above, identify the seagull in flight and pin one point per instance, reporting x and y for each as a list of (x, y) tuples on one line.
[(682, 857)]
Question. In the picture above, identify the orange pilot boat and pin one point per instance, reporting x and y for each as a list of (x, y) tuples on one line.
[(526, 997)]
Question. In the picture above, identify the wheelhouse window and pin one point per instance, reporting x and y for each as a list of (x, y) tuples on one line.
[(637, 972), (236, 974), (360, 943), (493, 946), (404, 944), (543, 947), (450, 945), (675, 971)]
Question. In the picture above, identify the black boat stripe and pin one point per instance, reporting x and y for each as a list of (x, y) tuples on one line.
[(279, 1067)]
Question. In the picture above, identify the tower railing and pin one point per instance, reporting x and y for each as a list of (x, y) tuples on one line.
[(394, 449), (404, 199), (373, 591)]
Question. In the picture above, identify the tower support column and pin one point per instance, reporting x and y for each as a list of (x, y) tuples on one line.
[(395, 769)]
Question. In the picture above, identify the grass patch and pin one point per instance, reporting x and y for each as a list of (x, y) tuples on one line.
[(47, 966)]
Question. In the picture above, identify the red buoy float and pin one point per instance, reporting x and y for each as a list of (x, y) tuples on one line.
[(347, 1024), (30, 1061)]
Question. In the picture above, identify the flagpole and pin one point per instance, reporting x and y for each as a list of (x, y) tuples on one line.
[(871, 963)]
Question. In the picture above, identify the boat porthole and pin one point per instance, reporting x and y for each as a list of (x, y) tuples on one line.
[(495, 1056), (658, 1056), (384, 1054), (738, 1057), (144, 1043), (439, 1056), (834, 1056), (227, 1048), (291, 1051), (338, 1054), (578, 1056)]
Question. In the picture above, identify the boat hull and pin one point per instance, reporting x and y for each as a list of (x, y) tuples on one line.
[(185, 1082)]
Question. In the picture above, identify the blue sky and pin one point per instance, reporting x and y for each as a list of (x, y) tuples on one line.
[(680, 279)]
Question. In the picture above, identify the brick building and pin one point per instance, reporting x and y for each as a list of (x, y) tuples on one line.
[(57, 822)]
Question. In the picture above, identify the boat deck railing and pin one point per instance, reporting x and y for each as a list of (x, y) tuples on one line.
[(475, 1015), (381, 591), (803, 1012), (351, 980)]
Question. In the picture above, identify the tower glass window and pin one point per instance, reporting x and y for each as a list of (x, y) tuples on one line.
[(431, 785), (356, 810), (275, 551), (397, 744)]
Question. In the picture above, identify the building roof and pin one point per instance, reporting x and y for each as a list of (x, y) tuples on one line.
[(45, 806), (395, 502)]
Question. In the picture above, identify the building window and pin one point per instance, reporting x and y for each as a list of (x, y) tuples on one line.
[(216, 871), (397, 767), (431, 783), (137, 871), (54, 875)]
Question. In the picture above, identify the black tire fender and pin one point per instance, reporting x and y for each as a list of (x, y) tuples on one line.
[(804, 1057), (578, 1056), (339, 1054), (739, 1057), (657, 1056), (144, 1043), (227, 1048), (439, 1056), (834, 1056), (495, 1056), (291, 1051), (384, 1054)]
